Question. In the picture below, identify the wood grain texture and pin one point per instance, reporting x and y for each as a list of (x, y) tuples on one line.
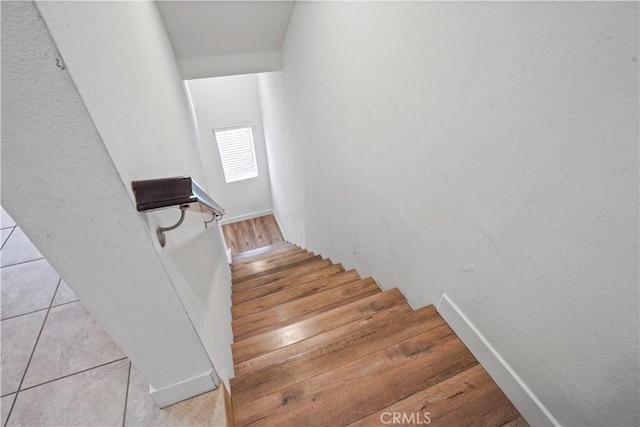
[(248, 260), (307, 289), (315, 345), (262, 267), (330, 350), (465, 396), (281, 337), (356, 388), (292, 262), (325, 268), (261, 252), (306, 358), (294, 311), (292, 271), (251, 234)]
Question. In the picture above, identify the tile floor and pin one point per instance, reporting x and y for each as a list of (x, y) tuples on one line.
[(59, 367)]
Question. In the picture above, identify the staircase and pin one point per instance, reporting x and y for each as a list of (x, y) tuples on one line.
[(318, 345)]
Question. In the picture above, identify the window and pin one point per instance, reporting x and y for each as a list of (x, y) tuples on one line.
[(235, 144)]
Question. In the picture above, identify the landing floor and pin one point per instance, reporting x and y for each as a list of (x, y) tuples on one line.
[(252, 234)]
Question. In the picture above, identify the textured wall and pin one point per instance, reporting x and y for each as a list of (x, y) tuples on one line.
[(224, 101), (121, 61), (486, 150), (60, 185)]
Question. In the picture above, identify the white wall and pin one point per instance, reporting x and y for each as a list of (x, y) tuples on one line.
[(121, 62), (60, 184), (486, 150), (226, 101)]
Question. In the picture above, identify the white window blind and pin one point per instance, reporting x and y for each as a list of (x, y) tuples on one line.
[(237, 153)]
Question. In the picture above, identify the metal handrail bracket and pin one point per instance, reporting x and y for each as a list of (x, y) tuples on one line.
[(176, 192)]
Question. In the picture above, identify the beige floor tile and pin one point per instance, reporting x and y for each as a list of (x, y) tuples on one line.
[(18, 338), (64, 294), (27, 287), (71, 341), (204, 410), (6, 220), (92, 398), (5, 406), (18, 249), (5, 234)]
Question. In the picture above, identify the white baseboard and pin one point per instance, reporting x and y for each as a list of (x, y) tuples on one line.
[(530, 407), (225, 221), (182, 390)]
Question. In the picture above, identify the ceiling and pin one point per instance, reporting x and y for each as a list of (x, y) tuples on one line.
[(202, 30)]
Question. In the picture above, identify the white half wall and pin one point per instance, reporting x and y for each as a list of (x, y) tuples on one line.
[(60, 184), (225, 101), (122, 65), (484, 150)]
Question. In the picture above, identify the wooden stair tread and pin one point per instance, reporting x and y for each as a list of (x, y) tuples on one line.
[(263, 252), (287, 335), (268, 257), (259, 268), (327, 269), (272, 259), (273, 299), (304, 359), (297, 270), (252, 234), (294, 311), (450, 402), (332, 349), (362, 386), (295, 261)]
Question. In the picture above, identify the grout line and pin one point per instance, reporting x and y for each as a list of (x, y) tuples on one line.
[(42, 309), (24, 374), (22, 262), (9, 236), (126, 396), (64, 303), (75, 373), (25, 314), (46, 308)]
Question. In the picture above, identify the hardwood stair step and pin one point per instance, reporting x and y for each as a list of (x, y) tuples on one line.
[(265, 251), (363, 386), (268, 257), (261, 267), (254, 233), (272, 300), (287, 335), (274, 277), (274, 370), (305, 359), (288, 266), (517, 422), (294, 311), (471, 394), (284, 284)]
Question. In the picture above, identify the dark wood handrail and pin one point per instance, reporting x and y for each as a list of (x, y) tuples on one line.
[(175, 192)]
